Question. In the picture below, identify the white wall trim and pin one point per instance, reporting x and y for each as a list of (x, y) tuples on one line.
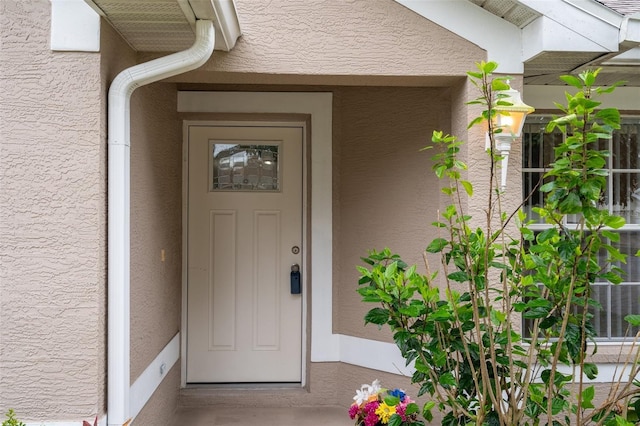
[(373, 354), (147, 383), (102, 421), (75, 26), (325, 345), (383, 356)]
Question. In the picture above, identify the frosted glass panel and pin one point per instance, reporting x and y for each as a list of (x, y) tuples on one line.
[(236, 167)]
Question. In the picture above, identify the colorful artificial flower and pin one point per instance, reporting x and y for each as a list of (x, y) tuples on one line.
[(375, 406), (384, 412)]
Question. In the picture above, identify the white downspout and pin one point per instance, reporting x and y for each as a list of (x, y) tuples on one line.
[(119, 208)]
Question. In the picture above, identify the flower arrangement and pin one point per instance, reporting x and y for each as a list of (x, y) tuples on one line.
[(376, 406)]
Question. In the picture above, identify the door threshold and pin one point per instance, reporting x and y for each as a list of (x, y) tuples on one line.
[(245, 386)]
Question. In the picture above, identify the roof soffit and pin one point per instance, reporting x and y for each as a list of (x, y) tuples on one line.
[(566, 36), (168, 25)]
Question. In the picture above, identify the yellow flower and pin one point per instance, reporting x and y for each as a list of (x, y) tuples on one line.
[(384, 412)]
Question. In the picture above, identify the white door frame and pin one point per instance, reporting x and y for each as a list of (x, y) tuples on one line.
[(325, 346), (185, 223)]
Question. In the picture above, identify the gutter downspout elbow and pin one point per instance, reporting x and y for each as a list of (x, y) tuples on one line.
[(118, 276)]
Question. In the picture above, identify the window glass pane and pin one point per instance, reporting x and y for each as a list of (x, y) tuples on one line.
[(600, 321), (626, 196), (621, 196), (624, 301), (629, 244), (245, 167), (624, 149), (531, 181)]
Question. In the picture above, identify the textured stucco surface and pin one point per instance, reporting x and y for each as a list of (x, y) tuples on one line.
[(156, 197), (337, 42), (385, 189), (52, 233)]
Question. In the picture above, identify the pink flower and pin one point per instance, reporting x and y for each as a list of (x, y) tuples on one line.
[(353, 411), (371, 419), (401, 410)]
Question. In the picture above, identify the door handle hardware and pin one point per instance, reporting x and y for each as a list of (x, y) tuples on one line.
[(295, 279)]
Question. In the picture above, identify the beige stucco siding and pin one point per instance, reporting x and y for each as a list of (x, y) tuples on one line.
[(52, 231), (337, 42), (386, 190), (156, 197)]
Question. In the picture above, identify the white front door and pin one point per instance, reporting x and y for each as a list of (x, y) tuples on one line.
[(244, 234)]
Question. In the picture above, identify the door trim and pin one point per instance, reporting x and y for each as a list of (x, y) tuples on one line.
[(325, 345), (185, 227)]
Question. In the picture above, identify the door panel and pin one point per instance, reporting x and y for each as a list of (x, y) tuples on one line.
[(244, 216)]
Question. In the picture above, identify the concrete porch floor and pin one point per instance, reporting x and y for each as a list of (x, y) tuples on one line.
[(246, 416)]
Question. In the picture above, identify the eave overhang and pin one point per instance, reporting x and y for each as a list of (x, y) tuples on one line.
[(169, 25), (540, 39)]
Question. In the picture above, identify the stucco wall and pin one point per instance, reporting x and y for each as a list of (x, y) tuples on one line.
[(156, 197), (156, 176), (52, 231), (385, 190), (337, 42)]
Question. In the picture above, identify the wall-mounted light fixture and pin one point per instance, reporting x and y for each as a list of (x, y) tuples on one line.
[(510, 120)]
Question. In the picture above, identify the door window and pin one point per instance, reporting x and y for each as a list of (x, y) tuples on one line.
[(235, 167)]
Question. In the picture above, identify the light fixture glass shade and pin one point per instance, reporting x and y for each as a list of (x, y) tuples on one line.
[(511, 118)]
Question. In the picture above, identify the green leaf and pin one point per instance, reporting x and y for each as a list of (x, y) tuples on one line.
[(392, 400), (412, 408), (571, 204), (609, 116), (467, 187), (475, 121), (621, 421), (447, 379), (590, 370), (571, 80), (395, 420), (547, 187), (497, 317), (534, 313), (634, 320), (426, 410), (614, 222), (613, 236), (459, 276), (488, 67), (587, 397), (437, 245), (498, 85), (377, 316)]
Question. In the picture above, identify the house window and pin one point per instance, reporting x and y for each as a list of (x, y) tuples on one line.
[(622, 197)]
